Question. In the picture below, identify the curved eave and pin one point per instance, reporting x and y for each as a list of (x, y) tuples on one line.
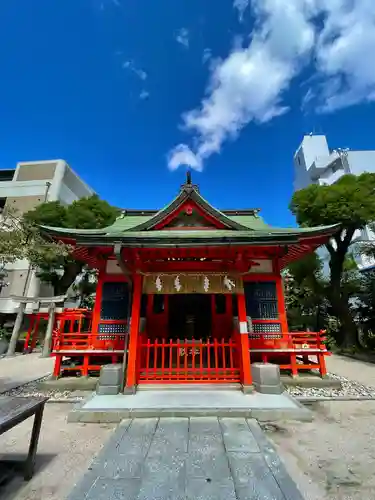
[(183, 238), (63, 232)]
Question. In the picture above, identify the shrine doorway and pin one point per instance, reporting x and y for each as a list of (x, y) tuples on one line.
[(188, 353), (190, 316)]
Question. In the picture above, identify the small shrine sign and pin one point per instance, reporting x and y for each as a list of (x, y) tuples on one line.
[(168, 283)]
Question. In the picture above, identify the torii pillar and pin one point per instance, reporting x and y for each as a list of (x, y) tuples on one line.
[(51, 301)]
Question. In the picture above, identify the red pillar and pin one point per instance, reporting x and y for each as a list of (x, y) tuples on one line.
[(131, 378), (280, 299), (98, 302), (29, 331), (244, 341)]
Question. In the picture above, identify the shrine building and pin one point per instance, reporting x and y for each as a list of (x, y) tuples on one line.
[(189, 294)]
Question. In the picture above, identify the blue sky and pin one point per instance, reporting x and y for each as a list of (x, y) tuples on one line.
[(128, 91)]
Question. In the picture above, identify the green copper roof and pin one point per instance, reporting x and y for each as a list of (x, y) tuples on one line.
[(244, 226)]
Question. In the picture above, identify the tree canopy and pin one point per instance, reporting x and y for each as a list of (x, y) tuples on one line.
[(349, 202), (21, 237)]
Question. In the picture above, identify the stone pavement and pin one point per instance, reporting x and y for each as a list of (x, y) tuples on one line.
[(353, 369), (22, 369), (200, 458)]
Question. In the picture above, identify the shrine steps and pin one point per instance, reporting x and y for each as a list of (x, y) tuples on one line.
[(190, 387)]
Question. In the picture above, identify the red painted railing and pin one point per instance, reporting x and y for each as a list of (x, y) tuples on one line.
[(79, 341), (188, 361), (295, 351)]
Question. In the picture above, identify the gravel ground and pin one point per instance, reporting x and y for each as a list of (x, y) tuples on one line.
[(349, 388), (333, 457), (31, 389)]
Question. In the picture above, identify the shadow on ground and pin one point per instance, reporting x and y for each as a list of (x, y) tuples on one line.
[(11, 482)]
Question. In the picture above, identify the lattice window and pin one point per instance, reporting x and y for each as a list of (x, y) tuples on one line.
[(115, 301), (261, 300), (112, 328), (266, 331)]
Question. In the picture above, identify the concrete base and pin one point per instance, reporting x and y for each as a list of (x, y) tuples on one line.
[(110, 380), (190, 387), (70, 383), (145, 404), (266, 378), (107, 390), (247, 389), (310, 380)]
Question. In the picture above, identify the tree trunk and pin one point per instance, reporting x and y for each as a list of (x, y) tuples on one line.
[(349, 334), (71, 271), (339, 302)]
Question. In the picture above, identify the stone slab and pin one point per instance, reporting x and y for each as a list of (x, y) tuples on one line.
[(108, 390), (147, 404), (308, 380), (70, 384), (225, 470)]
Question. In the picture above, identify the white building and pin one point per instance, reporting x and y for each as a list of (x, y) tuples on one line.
[(23, 188), (315, 163)]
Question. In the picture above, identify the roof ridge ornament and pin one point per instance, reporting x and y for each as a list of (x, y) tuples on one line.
[(189, 186)]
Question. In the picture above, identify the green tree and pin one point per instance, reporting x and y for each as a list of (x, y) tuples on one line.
[(349, 202), (53, 260), (305, 298)]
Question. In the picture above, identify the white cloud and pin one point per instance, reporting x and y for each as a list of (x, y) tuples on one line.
[(206, 56), (337, 38), (182, 37), (144, 95), (248, 85), (241, 6), (129, 65), (344, 52), (182, 155)]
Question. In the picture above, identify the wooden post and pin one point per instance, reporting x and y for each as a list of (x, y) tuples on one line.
[(49, 331), (16, 330), (244, 341), (57, 366), (29, 333), (134, 332), (280, 299)]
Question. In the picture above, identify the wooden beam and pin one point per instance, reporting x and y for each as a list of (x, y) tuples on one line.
[(117, 252)]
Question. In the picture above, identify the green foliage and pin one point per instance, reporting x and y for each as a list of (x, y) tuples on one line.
[(21, 237), (305, 299), (349, 202)]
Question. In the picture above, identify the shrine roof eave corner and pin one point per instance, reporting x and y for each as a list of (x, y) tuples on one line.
[(161, 238)]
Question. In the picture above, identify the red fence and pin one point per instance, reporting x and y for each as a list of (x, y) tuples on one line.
[(188, 361), (86, 341), (295, 351)]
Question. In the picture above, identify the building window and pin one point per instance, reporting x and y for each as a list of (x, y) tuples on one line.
[(6, 175), (261, 300), (2, 204)]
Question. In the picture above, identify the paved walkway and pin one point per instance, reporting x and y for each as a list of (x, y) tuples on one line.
[(21, 369), (200, 458), (353, 369)]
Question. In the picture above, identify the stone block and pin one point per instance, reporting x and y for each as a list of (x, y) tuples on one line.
[(266, 378), (111, 375), (108, 390)]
